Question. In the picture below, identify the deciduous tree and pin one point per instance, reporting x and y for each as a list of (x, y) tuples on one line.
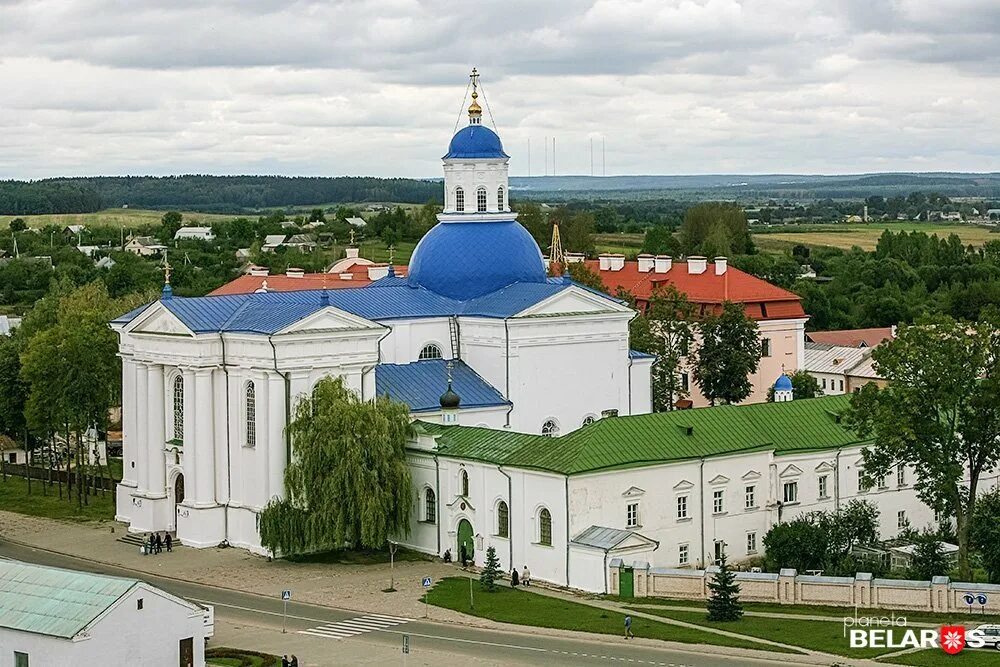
[(986, 533), (728, 352)]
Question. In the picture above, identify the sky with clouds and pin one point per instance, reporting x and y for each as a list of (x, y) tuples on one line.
[(375, 87)]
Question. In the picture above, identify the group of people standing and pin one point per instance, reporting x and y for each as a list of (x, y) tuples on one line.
[(289, 662), (523, 580), (154, 543)]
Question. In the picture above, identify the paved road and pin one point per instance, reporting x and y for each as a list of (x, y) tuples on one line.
[(330, 636)]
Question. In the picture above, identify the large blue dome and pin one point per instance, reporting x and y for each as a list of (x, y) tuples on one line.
[(475, 141), (464, 260)]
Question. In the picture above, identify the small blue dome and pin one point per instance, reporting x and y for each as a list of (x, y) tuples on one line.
[(783, 383), (465, 260), (475, 141)]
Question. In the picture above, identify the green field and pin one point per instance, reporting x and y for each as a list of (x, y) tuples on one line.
[(111, 216), (938, 658), (864, 236)]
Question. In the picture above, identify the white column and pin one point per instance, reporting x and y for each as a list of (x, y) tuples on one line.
[(157, 475), (219, 436), (256, 481), (275, 435), (204, 437), (191, 469), (129, 405), (141, 443)]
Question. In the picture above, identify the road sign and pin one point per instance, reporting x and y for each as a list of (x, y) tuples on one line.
[(982, 599), (426, 582), (970, 599), (406, 644), (286, 595)]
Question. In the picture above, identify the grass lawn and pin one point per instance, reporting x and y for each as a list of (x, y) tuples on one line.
[(519, 606), (358, 557), (14, 498), (815, 635), (234, 657), (112, 216), (980, 657)]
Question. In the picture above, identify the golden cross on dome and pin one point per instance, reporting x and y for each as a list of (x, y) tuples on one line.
[(392, 250), (475, 78), (166, 268), (475, 111), (352, 236)]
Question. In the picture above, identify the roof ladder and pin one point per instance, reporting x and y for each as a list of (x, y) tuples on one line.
[(456, 337)]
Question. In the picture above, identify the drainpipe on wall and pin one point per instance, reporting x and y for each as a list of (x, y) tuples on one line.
[(229, 463), (288, 401), (566, 478), (437, 501), (701, 509), (506, 333), (629, 374), (836, 482), (510, 513), (366, 369)]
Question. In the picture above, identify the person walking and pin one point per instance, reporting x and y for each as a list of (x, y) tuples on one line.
[(513, 578), (169, 541), (628, 627), (159, 543), (294, 662), (152, 545), (525, 577), (284, 661), (464, 556)]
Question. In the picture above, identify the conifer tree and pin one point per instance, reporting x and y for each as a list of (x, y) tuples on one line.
[(724, 604), (491, 571)]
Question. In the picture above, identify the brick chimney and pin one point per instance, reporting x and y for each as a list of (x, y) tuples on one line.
[(697, 264), (721, 264), (646, 263), (617, 262), (258, 271), (663, 263), (376, 271), (295, 272), (604, 262)]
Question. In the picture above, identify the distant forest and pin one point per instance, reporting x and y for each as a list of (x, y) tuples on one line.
[(222, 194)]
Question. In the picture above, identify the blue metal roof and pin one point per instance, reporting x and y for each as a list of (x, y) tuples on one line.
[(421, 383), (636, 354), (270, 312), (465, 260), (475, 141)]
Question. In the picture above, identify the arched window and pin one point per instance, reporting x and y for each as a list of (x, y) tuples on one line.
[(545, 528), (500, 206), (460, 200), (179, 408), (550, 429), (430, 506), (503, 520), (481, 200), (430, 351), (251, 415), (464, 478), (588, 420)]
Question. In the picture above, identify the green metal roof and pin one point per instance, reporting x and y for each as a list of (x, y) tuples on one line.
[(51, 601), (622, 442)]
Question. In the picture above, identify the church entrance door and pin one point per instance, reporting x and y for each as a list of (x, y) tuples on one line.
[(178, 493), (465, 537)]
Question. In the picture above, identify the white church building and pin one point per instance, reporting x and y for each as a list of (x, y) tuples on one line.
[(544, 447), (209, 382)]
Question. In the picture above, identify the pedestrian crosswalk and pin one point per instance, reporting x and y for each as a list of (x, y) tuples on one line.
[(355, 626)]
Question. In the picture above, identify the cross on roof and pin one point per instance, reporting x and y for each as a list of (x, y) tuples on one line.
[(166, 268)]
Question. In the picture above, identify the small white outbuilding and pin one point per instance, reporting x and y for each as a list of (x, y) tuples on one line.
[(51, 616)]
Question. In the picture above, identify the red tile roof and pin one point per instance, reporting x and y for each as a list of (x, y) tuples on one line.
[(279, 282), (853, 337), (763, 301)]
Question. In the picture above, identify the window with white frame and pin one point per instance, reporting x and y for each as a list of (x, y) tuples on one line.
[(500, 198), (883, 481), (460, 200), (682, 507), (550, 429), (824, 383), (251, 414), (750, 497), (430, 351), (752, 542), (901, 521), (683, 554), (863, 484), (545, 528), (481, 200), (823, 490), (765, 347), (632, 515), (718, 501), (179, 408), (841, 386), (790, 492), (901, 475), (503, 520), (685, 382), (464, 482), (430, 506)]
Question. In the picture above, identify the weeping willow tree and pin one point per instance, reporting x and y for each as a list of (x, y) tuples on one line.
[(347, 485)]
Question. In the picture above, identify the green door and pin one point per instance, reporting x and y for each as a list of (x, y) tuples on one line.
[(465, 537), (626, 585)]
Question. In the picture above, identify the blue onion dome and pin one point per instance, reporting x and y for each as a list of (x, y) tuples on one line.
[(475, 141), (783, 383), (465, 260)]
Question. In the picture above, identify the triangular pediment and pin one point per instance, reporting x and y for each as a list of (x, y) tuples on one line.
[(791, 471), (330, 319), (750, 476), (683, 485), (158, 320), (633, 491), (571, 301), (825, 466), (719, 479)]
